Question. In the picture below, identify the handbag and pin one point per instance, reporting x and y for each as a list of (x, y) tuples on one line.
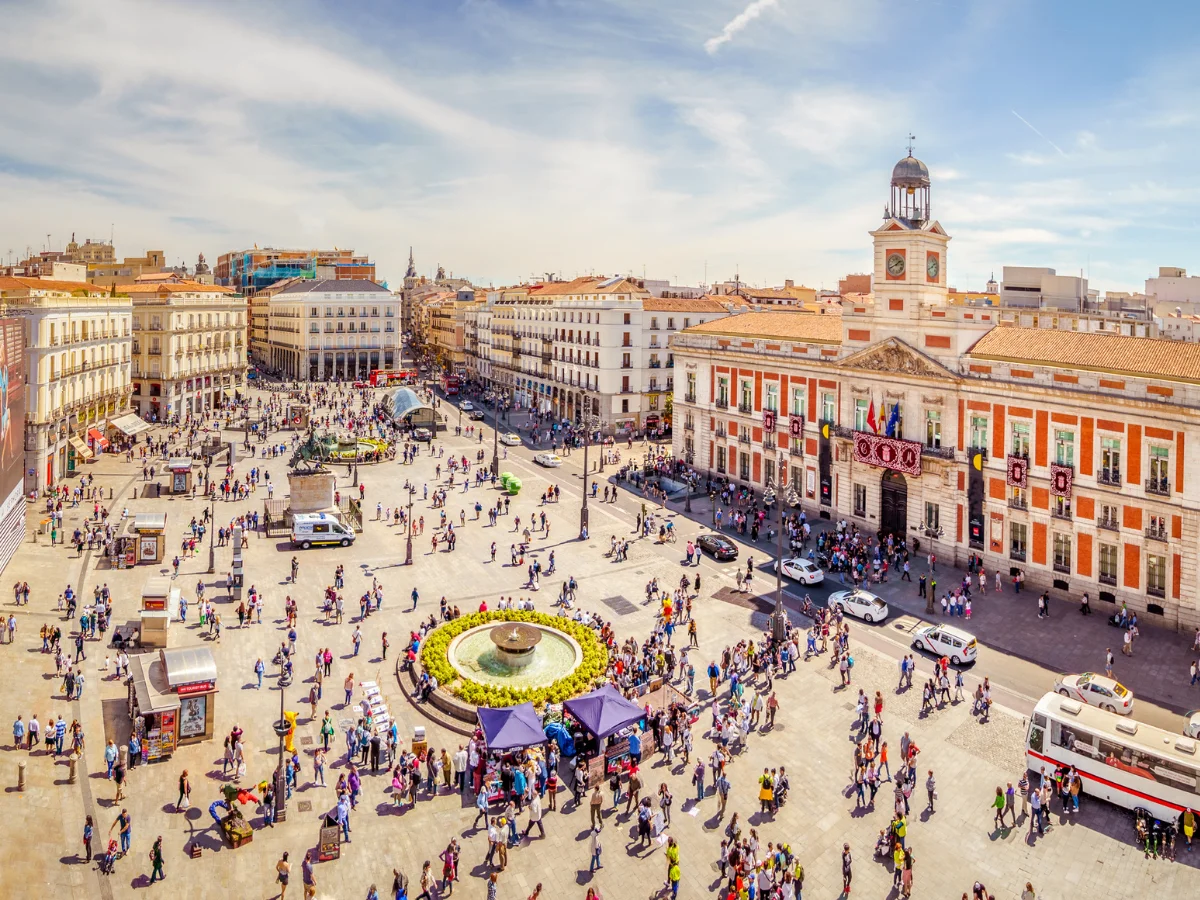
[(187, 801)]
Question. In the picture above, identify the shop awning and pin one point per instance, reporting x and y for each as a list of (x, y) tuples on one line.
[(81, 449), (97, 438), (188, 665), (129, 424), (150, 685), (511, 727), (604, 711)]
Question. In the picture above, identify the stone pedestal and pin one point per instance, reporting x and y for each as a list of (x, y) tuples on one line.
[(310, 491)]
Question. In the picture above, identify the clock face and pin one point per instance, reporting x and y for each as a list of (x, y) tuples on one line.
[(931, 266), (895, 265)]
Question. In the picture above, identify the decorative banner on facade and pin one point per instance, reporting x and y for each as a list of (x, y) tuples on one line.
[(769, 421), (1062, 479), (796, 426), (1018, 472), (887, 453)]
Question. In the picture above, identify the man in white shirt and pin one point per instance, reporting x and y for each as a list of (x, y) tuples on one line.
[(459, 763)]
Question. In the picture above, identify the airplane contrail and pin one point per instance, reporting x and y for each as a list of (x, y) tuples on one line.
[(1038, 133), (738, 22)]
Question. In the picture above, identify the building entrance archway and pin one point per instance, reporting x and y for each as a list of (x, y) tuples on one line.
[(893, 507)]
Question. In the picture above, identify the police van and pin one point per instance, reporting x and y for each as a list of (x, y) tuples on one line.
[(320, 528)]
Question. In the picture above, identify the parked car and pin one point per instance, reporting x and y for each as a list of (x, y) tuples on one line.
[(549, 460), (717, 546), (466, 406), (803, 571), (945, 640), (860, 604), (511, 439), (1096, 690), (476, 415), (422, 434)]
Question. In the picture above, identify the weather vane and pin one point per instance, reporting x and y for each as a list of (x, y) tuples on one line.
[(911, 138)]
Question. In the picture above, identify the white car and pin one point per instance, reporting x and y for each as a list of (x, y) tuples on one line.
[(802, 570), (1096, 690), (466, 406), (945, 640), (549, 460), (861, 604), (511, 439)]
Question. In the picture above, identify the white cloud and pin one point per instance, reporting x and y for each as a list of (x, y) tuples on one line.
[(752, 11), (835, 123)]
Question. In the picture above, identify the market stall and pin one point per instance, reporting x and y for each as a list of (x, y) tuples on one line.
[(511, 734), (171, 698), (608, 719)]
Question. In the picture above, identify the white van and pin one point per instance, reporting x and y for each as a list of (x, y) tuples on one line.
[(320, 528)]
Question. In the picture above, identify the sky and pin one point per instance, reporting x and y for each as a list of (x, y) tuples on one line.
[(682, 139)]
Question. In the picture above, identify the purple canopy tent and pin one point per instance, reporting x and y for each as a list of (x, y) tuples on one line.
[(511, 727), (604, 711)]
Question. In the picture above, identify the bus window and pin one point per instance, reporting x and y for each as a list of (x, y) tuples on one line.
[(1036, 737)]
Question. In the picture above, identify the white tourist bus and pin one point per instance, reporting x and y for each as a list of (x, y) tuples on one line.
[(1120, 760)]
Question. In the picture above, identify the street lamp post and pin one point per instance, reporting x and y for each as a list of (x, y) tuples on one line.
[(779, 618), (588, 423), (212, 520), (281, 730), (408, 544)]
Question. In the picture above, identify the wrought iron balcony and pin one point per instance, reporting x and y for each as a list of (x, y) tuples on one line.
[(1110, 524), (1110, 580), (1159, 486), (1110, 477), (769, 443), (1061, 513), (720, 402), (689, 398), (689, 425), (795, 451), (1062, 568), (938, 452), (719, 431), (1157, 532), (1018, 555), (743, 438), (1017, 503), (746, 408)]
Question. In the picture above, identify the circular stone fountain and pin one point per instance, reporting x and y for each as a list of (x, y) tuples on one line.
[(515, 643), (514, 654)]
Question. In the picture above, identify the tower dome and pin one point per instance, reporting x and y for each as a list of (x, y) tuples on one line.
[(910, 172)]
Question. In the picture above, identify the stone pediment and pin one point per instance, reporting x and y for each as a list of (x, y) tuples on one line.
[(894, 355)]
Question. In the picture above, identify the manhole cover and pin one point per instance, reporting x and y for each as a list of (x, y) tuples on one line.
[(619, 605), (346, 723), (304, 806), (306, 741), (850, 706)]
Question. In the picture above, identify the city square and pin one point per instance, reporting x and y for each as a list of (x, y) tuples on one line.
[(812, 735)]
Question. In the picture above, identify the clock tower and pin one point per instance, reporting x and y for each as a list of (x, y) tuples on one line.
[(910, 245)]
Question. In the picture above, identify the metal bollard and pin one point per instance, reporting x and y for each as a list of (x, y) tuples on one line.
[(72, 763), (21, 775)]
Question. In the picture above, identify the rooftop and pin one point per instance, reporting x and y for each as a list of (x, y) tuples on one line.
[(172, 287), (333, 286), (18, 285), (587, 285), (676, 304), (1153, 358), (787, 326)]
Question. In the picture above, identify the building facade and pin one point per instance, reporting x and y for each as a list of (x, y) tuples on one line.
[(333, 330), (1073, 456), (78, 339), (250, 271), (189, 347)]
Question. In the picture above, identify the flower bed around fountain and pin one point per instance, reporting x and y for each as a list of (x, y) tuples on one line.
[(591, 660)]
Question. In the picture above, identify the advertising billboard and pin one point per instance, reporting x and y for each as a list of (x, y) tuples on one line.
[(12, 440)]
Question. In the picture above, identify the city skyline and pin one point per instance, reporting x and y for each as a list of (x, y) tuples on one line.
[(751, 138)]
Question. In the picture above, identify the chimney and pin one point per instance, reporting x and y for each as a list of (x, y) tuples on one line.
[(788, 283)]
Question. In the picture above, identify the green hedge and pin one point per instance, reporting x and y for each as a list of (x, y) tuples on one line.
[(436, 661)]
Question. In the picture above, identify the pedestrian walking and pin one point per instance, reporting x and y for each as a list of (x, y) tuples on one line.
[(283, 868)]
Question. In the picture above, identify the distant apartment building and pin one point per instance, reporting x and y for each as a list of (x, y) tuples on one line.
[(332, 329), (189, 346), (77, 370), (1174, 291), (250, 271)]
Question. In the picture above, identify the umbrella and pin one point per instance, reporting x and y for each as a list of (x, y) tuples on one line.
[(511, 727), (604, 711)]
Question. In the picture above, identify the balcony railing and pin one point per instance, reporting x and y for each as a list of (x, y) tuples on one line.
[(1061, 513), (769, 444), (939, 452), (743, 438), (1110, 524), (746, 408), (1157, 532), (1062, 568), (795, 451), (689, 425), (1156, 591), (654, 364), (689, 398), (719, 431), (720, 402), (1110, 580), (1016, 554), (1017, 503), (842, 431), (1159, 486), (1110, 477)]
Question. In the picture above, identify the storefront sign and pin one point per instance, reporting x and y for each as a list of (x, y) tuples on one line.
[(887, 453), (199, 687), (1018, 472), (191, 722)]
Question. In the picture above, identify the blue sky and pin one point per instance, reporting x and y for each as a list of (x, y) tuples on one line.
[(504, 138)]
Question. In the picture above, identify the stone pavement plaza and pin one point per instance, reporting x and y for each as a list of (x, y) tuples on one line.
[(1090, 857)]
